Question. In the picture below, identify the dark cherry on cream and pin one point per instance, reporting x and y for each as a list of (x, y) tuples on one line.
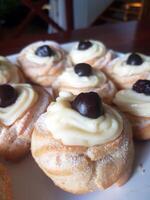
[(44, 51), (83, 69), (8, 95), (142, 86), (134, 59), (88, 105), (84, 44)]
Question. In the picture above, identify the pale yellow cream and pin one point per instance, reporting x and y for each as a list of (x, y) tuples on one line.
[(8, 72), (72, 128), (121, 68), (26, 98), (29, 53), (98, 50), (129, 101), (70, 78)]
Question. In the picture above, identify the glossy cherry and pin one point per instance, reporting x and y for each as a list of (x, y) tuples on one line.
[(134, 59), (88, 105), (142, 86), (83, 69), (8, 95), (84, 44), (44, 51)]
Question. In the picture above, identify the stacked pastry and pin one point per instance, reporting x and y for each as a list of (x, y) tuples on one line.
[(83, 144), (131, 73)]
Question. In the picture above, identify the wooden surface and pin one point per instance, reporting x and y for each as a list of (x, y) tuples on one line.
[(124, 37)]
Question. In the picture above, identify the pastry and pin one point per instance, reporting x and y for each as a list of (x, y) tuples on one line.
[(9, 73), (127, 69), (83, 144), (135, 103), (92, 52), (83, 78), (43, 61), (5, 184), (20, 106)]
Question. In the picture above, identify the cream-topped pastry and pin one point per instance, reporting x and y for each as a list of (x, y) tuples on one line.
[(127, 69), (95, 49), (83, 78), (91, 52), (70, 78), (20, 107), (132, 102), (81, 139), (43, 61), (31, 53), (122, 67), (26, 97), (9, 73), (135, 103), (75, 129)]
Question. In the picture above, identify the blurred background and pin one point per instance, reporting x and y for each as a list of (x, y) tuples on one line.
[(24, 17)]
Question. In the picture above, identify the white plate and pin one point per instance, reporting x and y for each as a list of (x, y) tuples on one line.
[(30, 183)]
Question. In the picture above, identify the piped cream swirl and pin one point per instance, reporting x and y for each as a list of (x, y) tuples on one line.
[(8, 72), (72, 128), (70, 78), (26, 98), (129, 101), (29, 53), (120, 67), (97, 50)]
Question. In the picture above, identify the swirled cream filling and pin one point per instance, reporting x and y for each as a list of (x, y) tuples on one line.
[(26, 98), (137, 104), (70, 78), (72, 128), (8, 72), (121, 68), (97, 49), (29, 53)]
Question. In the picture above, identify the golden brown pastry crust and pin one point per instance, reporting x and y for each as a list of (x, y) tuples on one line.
[(10, 72), (5, 184), (141, 127), (15, 140), (21, 76), (79, 169)]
